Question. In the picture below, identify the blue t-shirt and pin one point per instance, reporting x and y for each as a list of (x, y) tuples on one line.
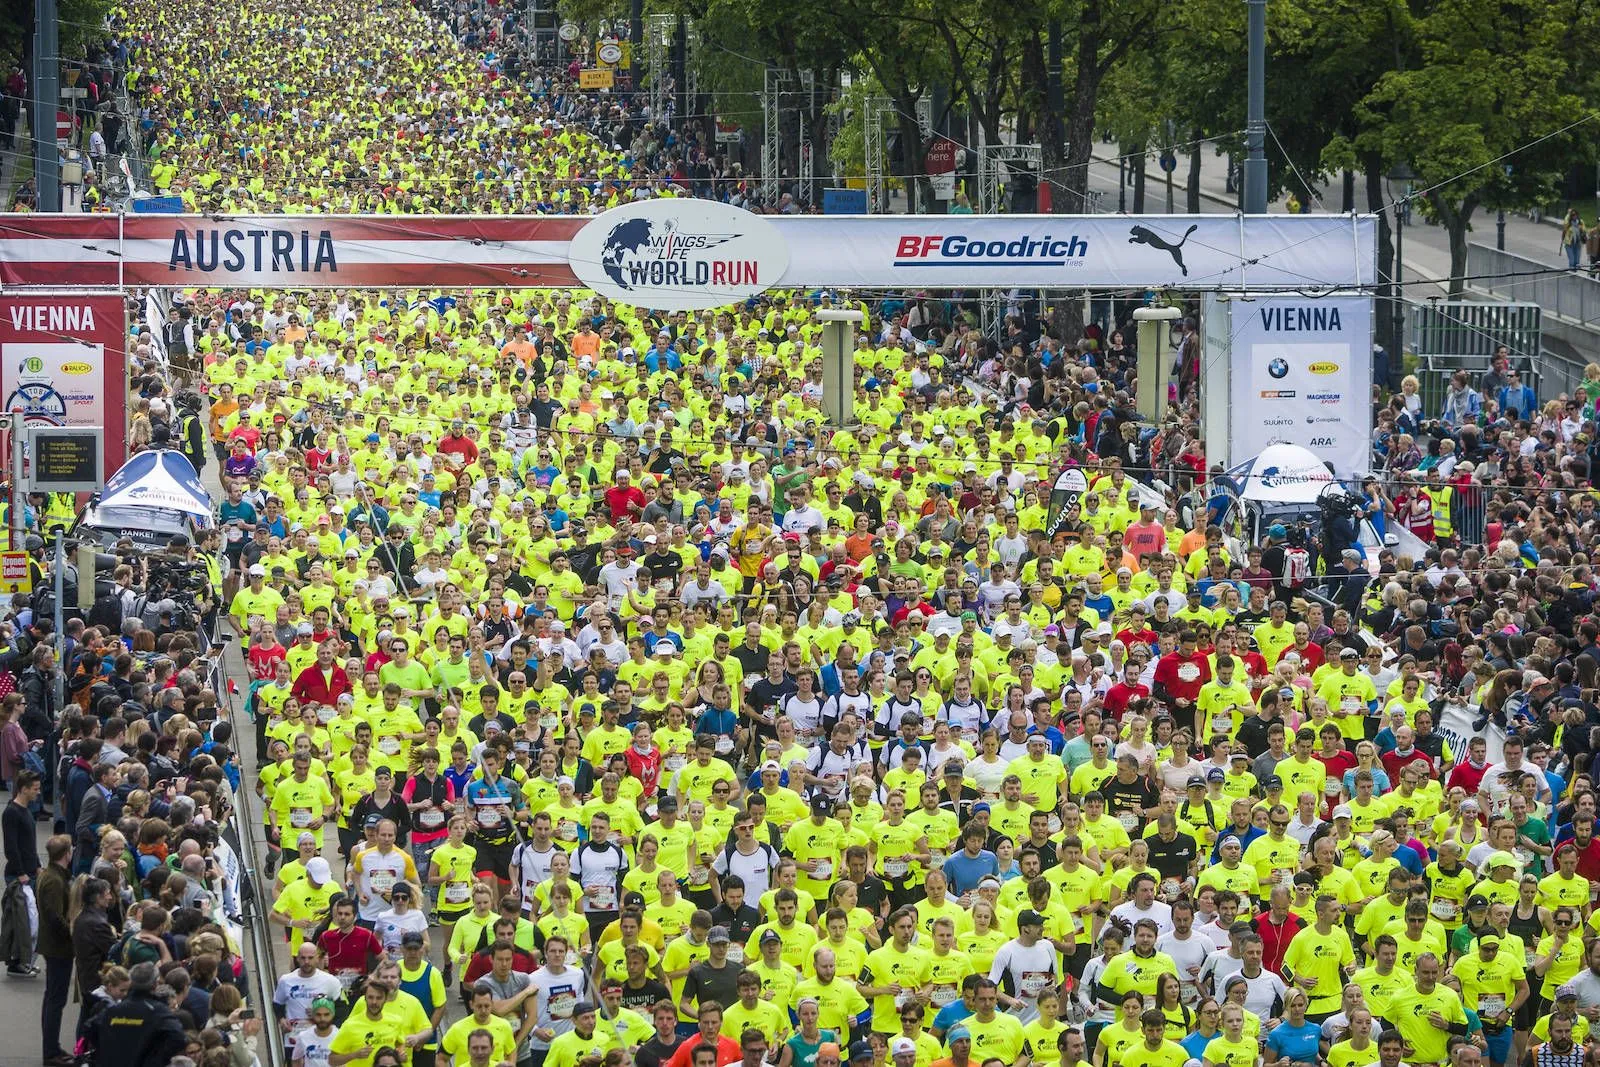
[(1298, 1044), (1195, 1044), (964, 871), (951, 1014)]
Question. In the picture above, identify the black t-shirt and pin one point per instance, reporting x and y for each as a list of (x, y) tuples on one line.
[(753, 661), (643, 999), (655, 1052), (1132, 796), (1172, 858), (870, 893), (663, 565), (766, 693), (741, 921), (706, 982)]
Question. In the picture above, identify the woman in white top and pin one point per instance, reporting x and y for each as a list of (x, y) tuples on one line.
[(944, 748), (987, 770)]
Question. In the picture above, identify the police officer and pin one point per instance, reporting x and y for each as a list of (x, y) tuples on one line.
[(139, 1030)]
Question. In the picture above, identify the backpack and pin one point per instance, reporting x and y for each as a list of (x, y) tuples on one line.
[(107, 612), (1296, 567)]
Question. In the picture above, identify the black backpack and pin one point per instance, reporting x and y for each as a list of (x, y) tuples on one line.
[(107, 612)]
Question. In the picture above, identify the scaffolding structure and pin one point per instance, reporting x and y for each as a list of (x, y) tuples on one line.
[(993, 160), (658, 33), (778, 83), (874, 108)]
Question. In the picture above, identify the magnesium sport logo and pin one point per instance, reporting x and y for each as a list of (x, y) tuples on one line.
[(678, 254)]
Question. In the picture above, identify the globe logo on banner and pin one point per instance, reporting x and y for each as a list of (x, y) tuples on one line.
[(678, 254)]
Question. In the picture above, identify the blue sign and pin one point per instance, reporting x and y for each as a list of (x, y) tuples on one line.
[(158, 205), (844, 201)]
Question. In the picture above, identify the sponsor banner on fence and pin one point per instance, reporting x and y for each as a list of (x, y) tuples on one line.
[(1455, 726), (62, 362), (1197, 253), (1302, 375)]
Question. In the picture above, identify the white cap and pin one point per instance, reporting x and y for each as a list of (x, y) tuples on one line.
[(902, 1044), (1342, 812), (257, 570), (318, 871)]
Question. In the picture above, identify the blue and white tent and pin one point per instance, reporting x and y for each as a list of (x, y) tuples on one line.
[(159, 479)]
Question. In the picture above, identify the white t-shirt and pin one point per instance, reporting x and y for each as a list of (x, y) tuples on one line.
[(534, 867), (295, 992), (1187, 952), (756, 869), (390, 925), (1025, 971), (1159, 912), (558, 994)]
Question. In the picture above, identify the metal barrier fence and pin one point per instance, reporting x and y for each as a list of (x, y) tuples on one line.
[(1570, 295), (254, 887)]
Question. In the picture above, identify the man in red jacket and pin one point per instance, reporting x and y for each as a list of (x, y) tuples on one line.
[(324, 681), (709, 1022), (1180, 675)]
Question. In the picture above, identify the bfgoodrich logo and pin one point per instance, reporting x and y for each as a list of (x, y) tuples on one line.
[(678, 254)]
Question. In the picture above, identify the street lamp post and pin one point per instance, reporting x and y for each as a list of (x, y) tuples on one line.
[(1401, 174)]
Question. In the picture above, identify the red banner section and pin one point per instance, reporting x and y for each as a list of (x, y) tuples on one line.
[(63, 362), (452, 251)]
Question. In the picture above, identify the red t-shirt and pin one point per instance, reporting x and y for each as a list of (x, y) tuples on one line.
[(1183, 675), (264, 661), (352, 952), (727, 1051)]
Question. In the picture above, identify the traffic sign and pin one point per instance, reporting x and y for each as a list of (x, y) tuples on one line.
[(16, 577), (1169, 162)]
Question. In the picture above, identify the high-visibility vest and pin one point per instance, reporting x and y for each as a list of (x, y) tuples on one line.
[(1443, 497)]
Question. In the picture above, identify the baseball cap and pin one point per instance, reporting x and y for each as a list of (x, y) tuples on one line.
[(821, 805), (1216, 774), (902, 1044), (1501, 859), (719, 936), (1272, 781), (1029, 917), (1342, 812), (318, 871), (412, 937), (860, 1050), (1196, 780), (1489, 940), (1477, 900), (257, 570), (1566, 991), (769, 936)]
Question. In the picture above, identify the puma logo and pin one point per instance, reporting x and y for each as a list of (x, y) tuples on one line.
[(1143, 235)]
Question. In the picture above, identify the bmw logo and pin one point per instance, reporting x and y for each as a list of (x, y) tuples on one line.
[(1278, 368)]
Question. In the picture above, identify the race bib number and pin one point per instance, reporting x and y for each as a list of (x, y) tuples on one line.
[(234, 535), (1332, 786), (1129, 821), (1284, 876), (735, 952), (1188, 672), (325, 714), (676, 763), (935, 857), (823, 872), (1490, 1004), (549, 722), (1054, 823), (1032, 983), (347, 976), (1350, 703), (567, 830), (457, 893), (699, 875), (1170, 887), (561, 1005), (1443, 909), (1189, 992), (970, 735), (382, 881), (430, 819), (604, 899), (724, 745), (489, 817), (389, 746), (1222, 724), (895, 868), (943, 995), (300, 818)]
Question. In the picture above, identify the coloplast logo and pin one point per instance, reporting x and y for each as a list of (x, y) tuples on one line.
[(678, 254)]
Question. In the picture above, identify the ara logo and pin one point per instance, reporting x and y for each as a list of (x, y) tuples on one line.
[(1320, 442)]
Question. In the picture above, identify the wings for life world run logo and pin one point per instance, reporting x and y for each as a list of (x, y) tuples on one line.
[(678, 254)]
